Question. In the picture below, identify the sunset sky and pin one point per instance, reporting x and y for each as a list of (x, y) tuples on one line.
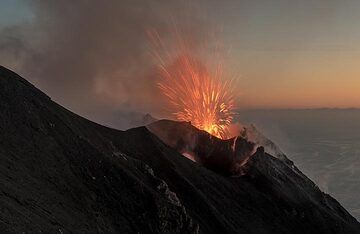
[(286, 53)]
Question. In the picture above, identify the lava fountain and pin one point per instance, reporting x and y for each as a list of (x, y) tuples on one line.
[(194, 93)]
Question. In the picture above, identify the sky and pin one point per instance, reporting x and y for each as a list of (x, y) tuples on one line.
[(13, 12), (284, 53)]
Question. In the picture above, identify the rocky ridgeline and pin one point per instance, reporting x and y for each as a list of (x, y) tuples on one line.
[(61, 173)]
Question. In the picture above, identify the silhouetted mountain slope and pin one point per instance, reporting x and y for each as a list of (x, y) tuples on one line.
[(62, 173)]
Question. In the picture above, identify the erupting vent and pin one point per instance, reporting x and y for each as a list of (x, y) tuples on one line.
[(195, 94)]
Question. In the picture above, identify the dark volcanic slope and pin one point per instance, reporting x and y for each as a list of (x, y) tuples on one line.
[(62, 173)]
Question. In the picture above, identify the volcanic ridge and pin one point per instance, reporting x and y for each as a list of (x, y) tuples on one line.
[(61, 173)]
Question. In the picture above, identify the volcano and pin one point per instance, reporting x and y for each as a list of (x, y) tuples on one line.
[(63, 173)]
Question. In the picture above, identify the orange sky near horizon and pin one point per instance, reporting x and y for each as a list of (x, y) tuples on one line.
[(294, 54), (300, 80)]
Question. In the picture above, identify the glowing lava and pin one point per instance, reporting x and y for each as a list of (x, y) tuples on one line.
[(197, 95)]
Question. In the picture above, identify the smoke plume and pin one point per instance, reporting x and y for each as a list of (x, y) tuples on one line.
[(93, 56)]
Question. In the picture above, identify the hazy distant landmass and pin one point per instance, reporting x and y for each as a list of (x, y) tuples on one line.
[(324, 143)]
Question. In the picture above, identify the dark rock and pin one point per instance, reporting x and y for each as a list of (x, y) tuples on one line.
[(222, 156), (62, 173)]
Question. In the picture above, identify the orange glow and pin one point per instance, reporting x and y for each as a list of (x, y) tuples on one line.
[(195, 94)]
